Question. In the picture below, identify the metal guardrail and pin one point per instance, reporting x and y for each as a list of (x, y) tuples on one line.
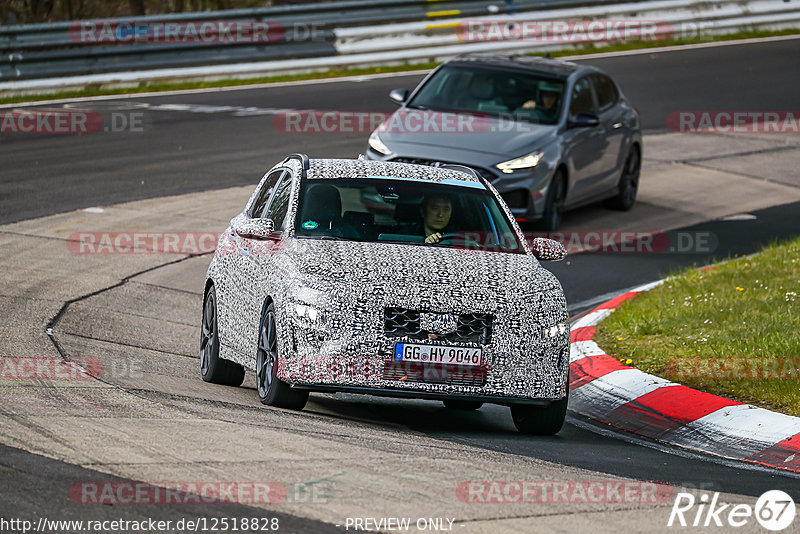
[(51, 50), (346, 34)]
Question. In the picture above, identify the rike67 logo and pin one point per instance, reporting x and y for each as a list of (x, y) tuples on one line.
[(774, 510)]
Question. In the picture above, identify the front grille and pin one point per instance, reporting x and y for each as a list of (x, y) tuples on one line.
[(488, 175), (472, 327), (435, 373)]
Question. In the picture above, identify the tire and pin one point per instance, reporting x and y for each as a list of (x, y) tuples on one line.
[(455, 404), (540, 420), (554, 205), (213, 368), (271, 390), (628, 183)]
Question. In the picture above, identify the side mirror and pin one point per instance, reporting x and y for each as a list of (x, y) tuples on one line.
[(398, 96), (548, 249), (584, 120), (254, 228)]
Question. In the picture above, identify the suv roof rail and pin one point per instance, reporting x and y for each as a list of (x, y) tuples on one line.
[(303, 160)]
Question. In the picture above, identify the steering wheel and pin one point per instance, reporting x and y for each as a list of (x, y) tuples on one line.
[(449, 239)]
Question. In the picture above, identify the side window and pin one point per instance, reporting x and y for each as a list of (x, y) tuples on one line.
[(280, 203), (582, 100), (606, 91), (257, 210)]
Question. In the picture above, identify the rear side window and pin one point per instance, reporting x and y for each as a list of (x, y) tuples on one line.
[(280, 203), (582, 100), (606, 90), (257, 210)]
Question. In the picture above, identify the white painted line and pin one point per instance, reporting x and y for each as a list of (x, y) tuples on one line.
[(599, 397), (353, 79), (648, 287), (591, 319), (584, 349), (736, 431)]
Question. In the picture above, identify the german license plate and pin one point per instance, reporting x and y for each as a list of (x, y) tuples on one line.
[(412, 352)]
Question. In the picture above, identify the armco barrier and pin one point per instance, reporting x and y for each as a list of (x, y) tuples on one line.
[(50, 50), (43, 57)]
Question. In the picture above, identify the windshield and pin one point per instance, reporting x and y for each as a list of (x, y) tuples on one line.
[(414, 212), (509, 94)]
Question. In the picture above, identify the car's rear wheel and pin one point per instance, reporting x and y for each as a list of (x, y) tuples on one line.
[(540, 420), (212, 367), (628, 182), (554, 204), (272, 390), (455, 404)]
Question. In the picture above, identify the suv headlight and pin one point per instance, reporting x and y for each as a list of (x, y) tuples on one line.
[(377, 145), (525, 162), (312, 314)]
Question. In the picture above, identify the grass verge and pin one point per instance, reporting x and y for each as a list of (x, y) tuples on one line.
[(731, 330), (146, 87)]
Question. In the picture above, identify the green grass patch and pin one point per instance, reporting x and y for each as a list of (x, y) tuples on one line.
[(146, 87), (733, 330)]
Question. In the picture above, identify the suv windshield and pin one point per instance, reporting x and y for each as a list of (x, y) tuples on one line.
[(516, 95), (404, 211)]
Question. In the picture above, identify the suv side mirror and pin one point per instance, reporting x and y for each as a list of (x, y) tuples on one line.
[(584, 120), (398, 96), (254, 228), (548, 249)]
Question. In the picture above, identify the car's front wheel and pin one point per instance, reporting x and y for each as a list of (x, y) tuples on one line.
[(540, 420), (272, 390), (212, 367), (554, 203), (628, 182)]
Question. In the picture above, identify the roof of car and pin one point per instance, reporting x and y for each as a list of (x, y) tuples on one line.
[(540, 64), (364, 168)]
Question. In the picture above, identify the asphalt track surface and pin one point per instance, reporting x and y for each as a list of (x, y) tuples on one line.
[(190, 151), (181, 152)]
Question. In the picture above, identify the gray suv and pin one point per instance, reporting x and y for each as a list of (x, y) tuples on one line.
[(549, 135)]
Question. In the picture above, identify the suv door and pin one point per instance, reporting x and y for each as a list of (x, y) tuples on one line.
[(244, 259)]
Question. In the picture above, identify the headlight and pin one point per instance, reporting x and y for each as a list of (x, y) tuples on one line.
[(310, 313), (377, 145), (525, 162), (555, 330)]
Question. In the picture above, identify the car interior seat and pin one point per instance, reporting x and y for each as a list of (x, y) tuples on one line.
[(323, 205)]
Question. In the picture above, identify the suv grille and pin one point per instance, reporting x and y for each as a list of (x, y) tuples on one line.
[(472, 327)]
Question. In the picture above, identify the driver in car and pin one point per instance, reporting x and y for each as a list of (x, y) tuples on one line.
[(436, 212), (548, 110)]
